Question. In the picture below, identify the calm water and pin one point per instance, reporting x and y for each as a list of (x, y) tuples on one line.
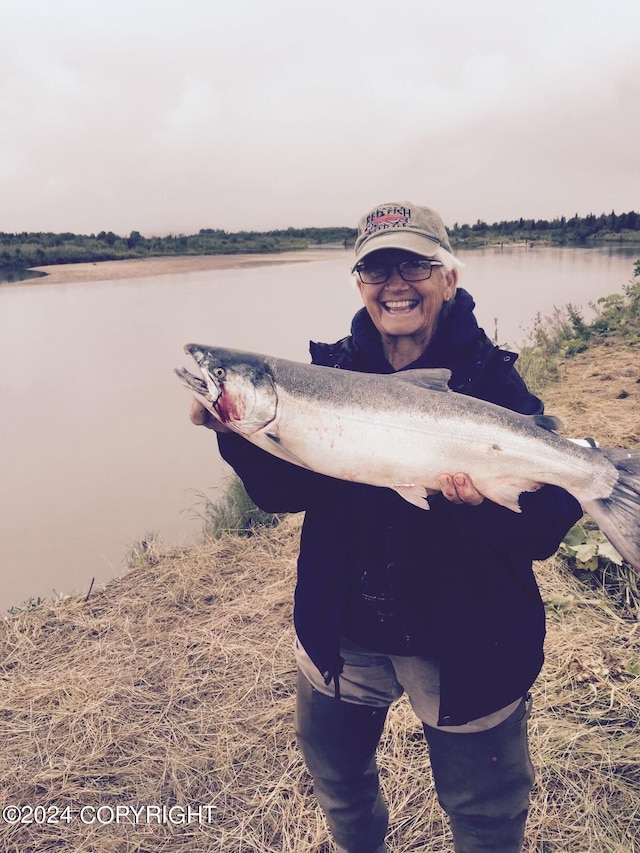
[(96, 449)]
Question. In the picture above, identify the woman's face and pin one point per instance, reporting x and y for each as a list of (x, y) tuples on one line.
[(408, 309)]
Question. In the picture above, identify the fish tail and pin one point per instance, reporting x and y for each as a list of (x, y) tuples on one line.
[(618, 516)]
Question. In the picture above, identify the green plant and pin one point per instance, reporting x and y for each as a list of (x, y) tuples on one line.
[(146, 551), (565, 333), (589, 547), (234, 512), (581, 330), (29, 604), (592, 558)]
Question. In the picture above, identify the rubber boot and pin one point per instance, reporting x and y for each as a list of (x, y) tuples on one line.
[(483, 782), (339, 740)]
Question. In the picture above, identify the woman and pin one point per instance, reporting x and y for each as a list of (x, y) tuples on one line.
[(442, 605)]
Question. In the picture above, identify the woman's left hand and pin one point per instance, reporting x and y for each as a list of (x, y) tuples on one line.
[(459, 489)]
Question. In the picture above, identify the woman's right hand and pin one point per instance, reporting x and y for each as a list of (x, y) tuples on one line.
[(199, 416)]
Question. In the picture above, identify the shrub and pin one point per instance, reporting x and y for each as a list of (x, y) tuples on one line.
[(592, 558), (234, 512)]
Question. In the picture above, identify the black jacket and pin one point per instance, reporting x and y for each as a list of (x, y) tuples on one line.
[(454, 583)]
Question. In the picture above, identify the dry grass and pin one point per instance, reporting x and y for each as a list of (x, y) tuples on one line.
[(598, 394), (175, 686)]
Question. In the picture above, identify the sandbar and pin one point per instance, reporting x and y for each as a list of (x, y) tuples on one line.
[(175, 264)]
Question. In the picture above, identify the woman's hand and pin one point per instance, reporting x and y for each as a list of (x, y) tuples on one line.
[(459, 489), (199, 416)]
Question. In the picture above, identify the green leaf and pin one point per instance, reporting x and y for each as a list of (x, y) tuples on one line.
[(587, 551), (606, 550), (575, 536)]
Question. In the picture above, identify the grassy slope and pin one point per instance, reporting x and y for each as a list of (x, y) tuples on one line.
[(174, 685)]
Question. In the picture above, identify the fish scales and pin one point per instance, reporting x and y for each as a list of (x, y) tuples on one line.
[(403, 434), (402, 430)]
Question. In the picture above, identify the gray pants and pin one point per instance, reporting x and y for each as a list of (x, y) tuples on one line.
[(483, 776)]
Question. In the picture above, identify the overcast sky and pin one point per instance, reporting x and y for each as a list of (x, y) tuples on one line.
[(166, 117)]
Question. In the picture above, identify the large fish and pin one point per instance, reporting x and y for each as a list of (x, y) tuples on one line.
[(404, 429)]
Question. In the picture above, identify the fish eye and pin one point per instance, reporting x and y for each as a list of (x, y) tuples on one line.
[(219, 372)]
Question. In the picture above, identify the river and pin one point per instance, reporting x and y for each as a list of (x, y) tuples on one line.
[(96, 447)]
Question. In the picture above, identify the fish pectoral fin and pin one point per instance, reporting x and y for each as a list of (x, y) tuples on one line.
[(507, 491), (549, 422), (416, 495), (272, 444)]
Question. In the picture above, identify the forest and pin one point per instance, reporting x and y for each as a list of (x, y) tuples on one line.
[(20, 251), (575, 231)]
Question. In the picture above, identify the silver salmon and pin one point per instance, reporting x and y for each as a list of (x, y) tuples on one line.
[(403, 430)]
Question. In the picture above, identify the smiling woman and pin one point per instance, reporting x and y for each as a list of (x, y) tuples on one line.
[(388, 595)]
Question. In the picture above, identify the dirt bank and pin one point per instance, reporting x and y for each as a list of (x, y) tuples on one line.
[(145, 267)]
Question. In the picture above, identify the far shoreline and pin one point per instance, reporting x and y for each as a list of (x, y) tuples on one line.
[(152, 266), (134, 268)]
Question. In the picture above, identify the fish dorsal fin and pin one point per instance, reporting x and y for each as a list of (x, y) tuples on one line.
[(433, 379), (548, 422)]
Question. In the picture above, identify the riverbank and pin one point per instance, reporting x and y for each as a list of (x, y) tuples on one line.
[(170, 265)]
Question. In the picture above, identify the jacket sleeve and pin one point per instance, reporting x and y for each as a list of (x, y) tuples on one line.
[(534, 533), (272, 484)]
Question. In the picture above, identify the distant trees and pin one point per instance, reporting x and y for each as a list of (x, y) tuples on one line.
[(134, 239), (28, 249), (561, 231), (41, 248)]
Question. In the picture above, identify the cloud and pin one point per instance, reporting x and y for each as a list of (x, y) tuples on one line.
[(160, 118)]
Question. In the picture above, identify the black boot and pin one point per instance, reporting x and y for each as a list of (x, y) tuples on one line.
[(338, 740)]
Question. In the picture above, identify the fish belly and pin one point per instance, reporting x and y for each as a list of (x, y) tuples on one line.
[(403, 450)]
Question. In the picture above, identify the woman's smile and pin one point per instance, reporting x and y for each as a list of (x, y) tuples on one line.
[(399, 306)]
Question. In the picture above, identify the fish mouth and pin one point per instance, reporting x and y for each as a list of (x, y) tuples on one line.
[(193, 383), (203, 387), (399, 306)]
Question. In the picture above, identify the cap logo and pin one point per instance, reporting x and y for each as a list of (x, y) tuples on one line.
[(384, 218)]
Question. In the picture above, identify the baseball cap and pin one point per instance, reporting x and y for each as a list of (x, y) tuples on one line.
[(401, 225)]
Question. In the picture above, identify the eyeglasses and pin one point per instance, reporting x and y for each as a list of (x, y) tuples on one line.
[(378, 273)]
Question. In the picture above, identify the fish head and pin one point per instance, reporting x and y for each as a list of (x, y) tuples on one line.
[(240, 386)]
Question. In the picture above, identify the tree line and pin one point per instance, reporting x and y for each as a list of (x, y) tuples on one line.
[(30, 249), (562, 231)]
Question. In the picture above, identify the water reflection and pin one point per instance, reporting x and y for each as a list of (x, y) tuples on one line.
[(12, 274)]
